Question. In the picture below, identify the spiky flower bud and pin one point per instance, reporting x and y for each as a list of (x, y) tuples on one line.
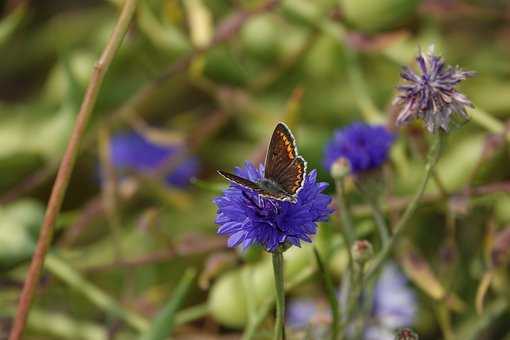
[(431, 94), (406, 334)]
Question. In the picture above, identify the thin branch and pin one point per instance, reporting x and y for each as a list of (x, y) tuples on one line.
[(66, 168)]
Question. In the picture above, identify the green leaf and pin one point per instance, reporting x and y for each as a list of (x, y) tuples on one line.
[(9, 24), (164, 323), (26, 131), (95, 295), (19, 223), (165, 37)]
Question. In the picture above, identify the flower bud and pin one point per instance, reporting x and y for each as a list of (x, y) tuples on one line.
[(362, 251), (340, 168), (370, 16), (406, 334)]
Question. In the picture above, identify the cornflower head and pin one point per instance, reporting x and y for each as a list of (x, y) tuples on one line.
[(133, 152), (251, 219), (430, 94), (366, 147)]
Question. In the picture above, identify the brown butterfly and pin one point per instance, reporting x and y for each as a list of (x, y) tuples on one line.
[(284, 172)]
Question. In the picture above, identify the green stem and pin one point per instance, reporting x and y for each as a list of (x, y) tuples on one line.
[(191, 314), (486, 120), (347, 231), (263, 310), (96, 296), (344, 215), (360, 287), (164, 322), (433, 157), (380, 222), (377, 214), (279, 329), (332, 299), (443, 316)]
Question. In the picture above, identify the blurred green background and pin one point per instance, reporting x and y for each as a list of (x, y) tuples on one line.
[(216, 75)]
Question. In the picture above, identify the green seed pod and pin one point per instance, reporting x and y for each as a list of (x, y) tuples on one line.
[(227, 303), (340, 168), (372, 16), (362, 251)]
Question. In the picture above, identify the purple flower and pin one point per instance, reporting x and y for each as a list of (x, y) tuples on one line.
[(300, 312), (307, 315), (249, 219), (365, 146), (394, 305), (431, 95), (132, 151)]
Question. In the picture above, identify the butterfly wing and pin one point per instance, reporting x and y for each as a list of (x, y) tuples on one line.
[(255, 187), (292, 178), (281, 152), (240, 181), (284, 171)]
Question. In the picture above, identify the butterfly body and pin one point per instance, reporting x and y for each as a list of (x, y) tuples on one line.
[(284, 171)]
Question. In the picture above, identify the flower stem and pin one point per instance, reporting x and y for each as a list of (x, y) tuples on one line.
[(332, 299), (279, 329), (347, 231), (347, 227), (380, 222), (354, 306), (433, 157), (263, 310), (66, 168)]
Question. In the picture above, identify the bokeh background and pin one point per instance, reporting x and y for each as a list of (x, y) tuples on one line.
[(198, 85)]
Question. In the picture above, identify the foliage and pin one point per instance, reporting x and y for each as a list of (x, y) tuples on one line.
[(215, 76)]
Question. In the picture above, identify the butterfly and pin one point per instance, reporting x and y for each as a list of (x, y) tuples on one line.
[(284, 169)]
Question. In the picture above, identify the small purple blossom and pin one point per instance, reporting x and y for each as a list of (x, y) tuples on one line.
[(250, 219), (366, 147), (300, 312), (307, 315), (394, 305), (431, 95), (132, 151)]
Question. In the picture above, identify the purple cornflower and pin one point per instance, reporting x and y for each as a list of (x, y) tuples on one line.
[(394, 305), (431, 95), (249, 219), (365, 146), (132, 151)]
